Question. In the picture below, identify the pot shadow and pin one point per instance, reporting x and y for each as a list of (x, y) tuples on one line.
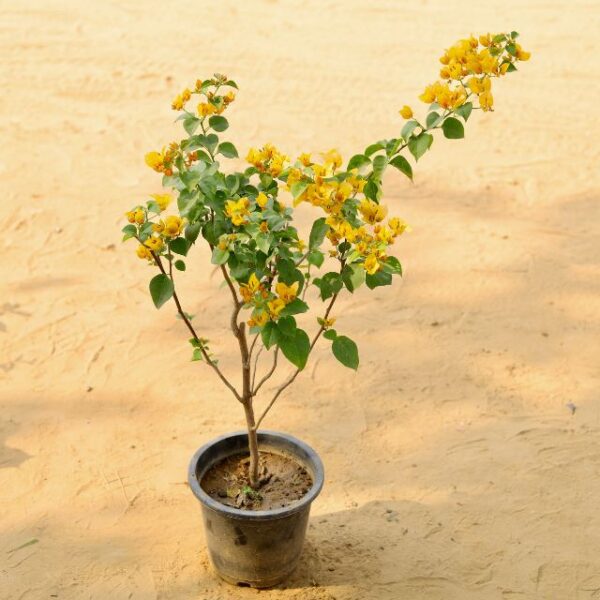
[(10, 457), (353, 548)]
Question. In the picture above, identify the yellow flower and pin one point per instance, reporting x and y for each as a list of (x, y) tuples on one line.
[(154, 243), (140, 216), (372, 212), (333, 158), (522, 54), (237, 210), (155, 160), (259, 319), (186, 94), (275, 307), (205, 109), (143, 252), (304, 158), (158, 227), (287, 293), (173, 226), (229, 97), (130, 216), (428, 96), (163, 200), (371, 264), (264, 226), (178, 103), (406, 112), (327, 323), (262, 199), (485, 40), (247, 290), (398, 226), (486, 101)]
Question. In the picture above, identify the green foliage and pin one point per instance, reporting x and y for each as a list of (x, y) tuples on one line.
[(161, 289), (345, 350)]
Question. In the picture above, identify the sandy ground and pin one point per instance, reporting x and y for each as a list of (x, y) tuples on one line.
[(455, 468)]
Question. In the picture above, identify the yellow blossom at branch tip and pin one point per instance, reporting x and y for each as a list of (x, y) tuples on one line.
[(163, 200), (406, 112), (154, 160)]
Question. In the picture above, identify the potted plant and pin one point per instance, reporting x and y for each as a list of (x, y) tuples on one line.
[(256, 486)]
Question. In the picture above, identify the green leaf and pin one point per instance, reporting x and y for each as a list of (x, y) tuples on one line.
[(330, 334), (408, 128), (379, 164), (378, 279), (180, 265), (419, 144), (192, 231), (511, 49), (318, 232), (296, 348), (433, 120), (316, 258), (295, 307), (179, 246), (358, 161), (511, 68), (374, 148), (464, 111), (345, 350), (287, 326), (402, 165), (219, 257), (498, 38), (269, 334), (263, 243), (196, 354), (453, 129), (392, 265), (298, 188), (372, 190), (218, 123), (228, 150), (190, 124), (129, 231), (353, 277), (161, 289), (209, 141)]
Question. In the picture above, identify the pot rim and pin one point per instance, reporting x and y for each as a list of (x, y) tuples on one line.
[(258, 515)]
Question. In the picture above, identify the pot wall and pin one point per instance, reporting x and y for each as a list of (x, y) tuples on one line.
[(255, 548)]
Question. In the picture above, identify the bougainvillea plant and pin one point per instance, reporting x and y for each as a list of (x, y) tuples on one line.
[(247, 220)]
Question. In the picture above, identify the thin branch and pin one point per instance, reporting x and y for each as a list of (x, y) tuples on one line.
[(191, 329), (295, 374), (255, 362), (268, 375)]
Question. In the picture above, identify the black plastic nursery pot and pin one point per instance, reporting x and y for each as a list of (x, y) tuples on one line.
[(255, 548)]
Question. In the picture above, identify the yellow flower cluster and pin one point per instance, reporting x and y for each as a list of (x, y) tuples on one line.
[(216, 104), (268, 305), (476, 59), (162, 230), (267, 160), (237, 211)]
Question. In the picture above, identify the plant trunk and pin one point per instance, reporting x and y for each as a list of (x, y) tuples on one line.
[(252, 444)]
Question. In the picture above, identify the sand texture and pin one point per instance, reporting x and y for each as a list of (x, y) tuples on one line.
[(462, 461)]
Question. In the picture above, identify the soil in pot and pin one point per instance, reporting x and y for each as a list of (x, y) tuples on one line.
[(283, 481)]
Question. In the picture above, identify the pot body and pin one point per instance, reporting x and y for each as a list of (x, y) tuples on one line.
[(255, 548)]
